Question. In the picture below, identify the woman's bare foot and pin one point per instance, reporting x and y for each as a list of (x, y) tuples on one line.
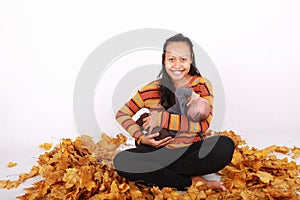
[(208, 183)]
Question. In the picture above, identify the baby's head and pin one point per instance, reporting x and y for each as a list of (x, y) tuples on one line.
[(193, 111), (197, 108)]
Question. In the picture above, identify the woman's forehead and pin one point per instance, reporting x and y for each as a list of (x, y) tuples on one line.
[(178, 49)]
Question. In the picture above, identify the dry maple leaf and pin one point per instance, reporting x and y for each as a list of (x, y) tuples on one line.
[(264, 176), (296, 152), (282, 149), (12, 164), (46, 146)]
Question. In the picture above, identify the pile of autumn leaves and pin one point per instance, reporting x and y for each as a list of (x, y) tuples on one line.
[(81, 169)]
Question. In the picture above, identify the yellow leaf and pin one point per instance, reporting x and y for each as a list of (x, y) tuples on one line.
[(11, 164), (264, 176), (46, 146)]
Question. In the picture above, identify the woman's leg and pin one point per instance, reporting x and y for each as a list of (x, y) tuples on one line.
[(210, 156), (149, 166), (205, 158), (157, 166)]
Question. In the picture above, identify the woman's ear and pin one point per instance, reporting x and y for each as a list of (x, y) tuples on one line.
[(163, 58), (192, 57)]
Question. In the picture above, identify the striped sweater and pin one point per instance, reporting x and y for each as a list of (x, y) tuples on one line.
[(148, 97)]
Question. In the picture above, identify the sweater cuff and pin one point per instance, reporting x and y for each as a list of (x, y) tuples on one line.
[(137, 135), (140, 139), (163, 118)]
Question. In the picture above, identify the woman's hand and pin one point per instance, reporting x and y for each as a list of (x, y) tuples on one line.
[(150, 140), (150, 122)]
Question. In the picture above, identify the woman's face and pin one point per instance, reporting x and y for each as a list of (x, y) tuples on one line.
[(178, 62)]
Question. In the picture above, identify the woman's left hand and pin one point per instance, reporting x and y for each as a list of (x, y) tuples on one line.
[(151, 141), (151, 121)]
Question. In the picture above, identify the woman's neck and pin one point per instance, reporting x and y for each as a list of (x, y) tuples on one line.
[(185, 82)]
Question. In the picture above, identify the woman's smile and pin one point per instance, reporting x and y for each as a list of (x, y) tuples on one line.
[(177, 72), (178, 62)]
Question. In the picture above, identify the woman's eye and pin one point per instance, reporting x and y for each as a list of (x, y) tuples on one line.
[(171, 59), (183, 59)]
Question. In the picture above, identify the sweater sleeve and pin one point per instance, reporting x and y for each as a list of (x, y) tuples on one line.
[(124, 116), (181, 123)]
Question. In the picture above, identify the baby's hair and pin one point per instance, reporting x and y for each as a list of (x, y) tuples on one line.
[(193, 112)]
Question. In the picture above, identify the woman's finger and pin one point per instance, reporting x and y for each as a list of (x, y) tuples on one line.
[(146, 119), (164, 141), (146, 125), (154, 135), (149, 139), (150, 129)]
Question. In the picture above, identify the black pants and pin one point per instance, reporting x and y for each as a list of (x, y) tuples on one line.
[(174, 167)]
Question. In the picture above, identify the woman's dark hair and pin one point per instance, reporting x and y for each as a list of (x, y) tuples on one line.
[(166, 87)]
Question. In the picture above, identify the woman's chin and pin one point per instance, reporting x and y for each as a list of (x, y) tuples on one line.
[(179, 79)]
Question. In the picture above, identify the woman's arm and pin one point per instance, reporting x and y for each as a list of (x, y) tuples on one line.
[(181, 123), (177, 122), (124, 116), (145, 97)]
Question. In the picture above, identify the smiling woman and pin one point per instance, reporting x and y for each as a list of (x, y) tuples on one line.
[(173, 161), (178, 61)]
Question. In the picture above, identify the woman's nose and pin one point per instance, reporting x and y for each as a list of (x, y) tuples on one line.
[(177, 62)]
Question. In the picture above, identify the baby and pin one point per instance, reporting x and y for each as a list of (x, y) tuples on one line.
[(190, 104), (187, 103)]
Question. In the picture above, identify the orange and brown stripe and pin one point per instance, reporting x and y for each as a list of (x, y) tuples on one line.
[(148, 97)]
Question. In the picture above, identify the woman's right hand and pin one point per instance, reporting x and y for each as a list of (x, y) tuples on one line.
[(150, 140)]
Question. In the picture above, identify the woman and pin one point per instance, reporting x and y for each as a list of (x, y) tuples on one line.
[(178, 161)]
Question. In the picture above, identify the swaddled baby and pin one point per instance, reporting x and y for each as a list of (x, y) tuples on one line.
[(188, 103)]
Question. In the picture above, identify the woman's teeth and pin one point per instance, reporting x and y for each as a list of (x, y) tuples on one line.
[(177, 72)]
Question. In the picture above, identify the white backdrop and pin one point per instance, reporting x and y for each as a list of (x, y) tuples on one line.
[(255, 46)]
